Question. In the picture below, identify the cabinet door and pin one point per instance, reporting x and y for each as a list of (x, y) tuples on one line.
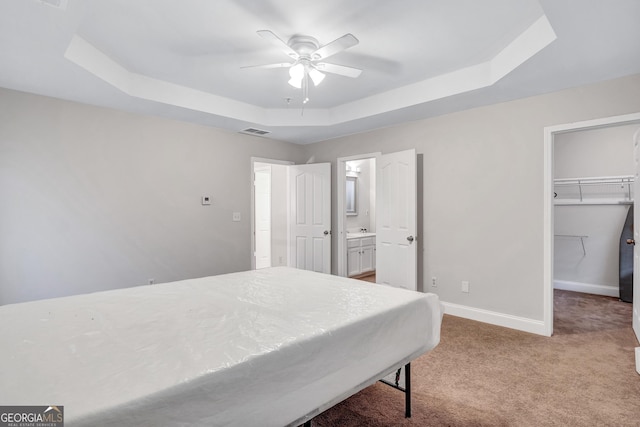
[(353, 261), (367, 259)]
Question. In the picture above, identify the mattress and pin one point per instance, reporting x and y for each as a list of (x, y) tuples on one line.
[(270, 347)]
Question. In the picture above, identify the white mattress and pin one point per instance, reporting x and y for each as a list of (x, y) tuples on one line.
[(269, 347)]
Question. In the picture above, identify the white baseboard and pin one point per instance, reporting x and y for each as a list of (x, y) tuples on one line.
[(638, 360), (495, 318), (587, 288)]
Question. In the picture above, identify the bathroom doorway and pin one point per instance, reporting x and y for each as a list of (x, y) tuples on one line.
[(356, 187)]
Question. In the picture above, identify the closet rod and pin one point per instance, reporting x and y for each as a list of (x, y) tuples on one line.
[(596, 180)]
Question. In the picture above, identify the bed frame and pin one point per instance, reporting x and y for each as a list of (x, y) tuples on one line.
[(406, 389), (307, 419)]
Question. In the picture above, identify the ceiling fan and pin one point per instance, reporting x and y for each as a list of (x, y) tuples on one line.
[(306, 53)]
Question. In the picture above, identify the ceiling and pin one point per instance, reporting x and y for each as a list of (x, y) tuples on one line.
[(186, 59)]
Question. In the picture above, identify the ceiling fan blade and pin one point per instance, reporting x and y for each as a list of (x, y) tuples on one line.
[(339, 69), (338, 45), (277, 41), (279, 65)]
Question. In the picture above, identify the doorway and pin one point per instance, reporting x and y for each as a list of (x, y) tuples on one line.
[(290, 215), (593, 176), (395, 242), (262, 186), (269, 213), (549, 215), (358, 213)]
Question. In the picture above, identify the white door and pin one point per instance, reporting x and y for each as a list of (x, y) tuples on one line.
[(262, 182), (396, 220), (636, 237), (310, 240)]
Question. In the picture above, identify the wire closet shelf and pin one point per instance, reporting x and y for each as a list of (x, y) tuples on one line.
[(604, 190)]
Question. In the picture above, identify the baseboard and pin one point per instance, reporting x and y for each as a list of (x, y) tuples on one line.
[(495, 318), (638, 360), (587, 288)]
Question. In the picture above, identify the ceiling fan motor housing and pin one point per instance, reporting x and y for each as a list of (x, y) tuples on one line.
[(304, 46)]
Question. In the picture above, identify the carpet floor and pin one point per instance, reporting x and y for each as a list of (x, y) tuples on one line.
[(485, 375)]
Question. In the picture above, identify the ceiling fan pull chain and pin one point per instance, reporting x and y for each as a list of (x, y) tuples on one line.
[(305, 88)]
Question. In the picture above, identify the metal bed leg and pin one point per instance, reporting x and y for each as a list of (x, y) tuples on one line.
[(407, 392)]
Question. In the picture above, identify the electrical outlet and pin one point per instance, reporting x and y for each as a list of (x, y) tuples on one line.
[(465, 286), (433, 282)]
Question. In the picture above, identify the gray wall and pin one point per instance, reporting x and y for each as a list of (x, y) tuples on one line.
[(94, 199), (482, 189)]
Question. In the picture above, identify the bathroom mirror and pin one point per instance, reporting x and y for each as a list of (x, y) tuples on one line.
[(352, 190)]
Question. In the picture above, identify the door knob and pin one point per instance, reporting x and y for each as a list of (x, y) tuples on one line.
[(631, 242), (326, 232), (410, 239)]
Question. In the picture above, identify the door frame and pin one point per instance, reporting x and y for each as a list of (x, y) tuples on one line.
[(253, 201), (341, 183), (548, 205)]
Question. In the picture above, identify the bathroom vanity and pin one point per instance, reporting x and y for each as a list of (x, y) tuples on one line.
[(361, 253)]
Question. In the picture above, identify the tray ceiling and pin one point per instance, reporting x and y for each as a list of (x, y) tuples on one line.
[(183, 60)]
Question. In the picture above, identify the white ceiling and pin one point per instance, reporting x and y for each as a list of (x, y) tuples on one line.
[(420, 58)]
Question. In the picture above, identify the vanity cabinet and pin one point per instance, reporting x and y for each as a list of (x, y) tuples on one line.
[(361, 255)]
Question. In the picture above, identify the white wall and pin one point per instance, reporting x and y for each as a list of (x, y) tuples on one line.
[(591, 153), (94, 199), (482, 186)]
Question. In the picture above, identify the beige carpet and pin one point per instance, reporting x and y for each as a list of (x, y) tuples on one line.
[(484, 375)]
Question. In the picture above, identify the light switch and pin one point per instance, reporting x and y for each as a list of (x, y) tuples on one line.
[(236, 216), (206, 200), (465, 286)]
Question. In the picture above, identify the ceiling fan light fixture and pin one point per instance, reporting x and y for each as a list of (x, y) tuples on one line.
[(297, 74), (296, 83), (316, 76)]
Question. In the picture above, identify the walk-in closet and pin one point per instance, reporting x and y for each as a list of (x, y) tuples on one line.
[(593, 195)]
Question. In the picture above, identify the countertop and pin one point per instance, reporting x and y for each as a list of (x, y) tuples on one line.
[(359, 235)]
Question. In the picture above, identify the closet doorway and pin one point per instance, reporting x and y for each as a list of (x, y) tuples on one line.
[(550, 136), (593, 192)]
